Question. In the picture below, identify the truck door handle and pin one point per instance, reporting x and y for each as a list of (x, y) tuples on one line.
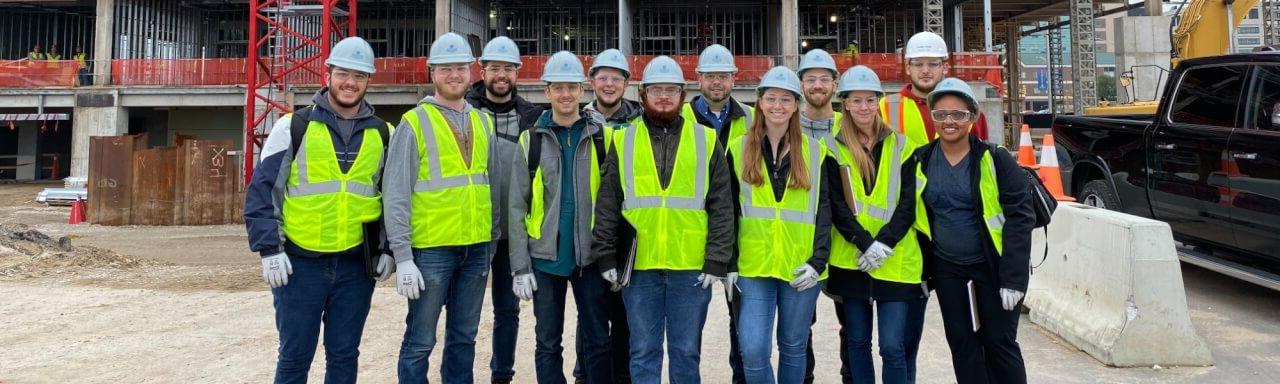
[(1245, 156), (1166, 146)]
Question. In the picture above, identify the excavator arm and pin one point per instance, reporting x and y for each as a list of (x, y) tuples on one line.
[(1203, 28)]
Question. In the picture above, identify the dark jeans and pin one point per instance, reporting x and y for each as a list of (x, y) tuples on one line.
[(506, 315), (593, 325), (892, 323), (86, 79), (335, 291), (668, 305), (992, 354), (619, 339), (455, 278)]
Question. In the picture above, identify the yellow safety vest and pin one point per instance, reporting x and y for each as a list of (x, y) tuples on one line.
[(79, 57), (325, 209), (992, 211), (536, 218), (35, 56), (737, 127), (451, 200), (906, 117), (670, 223), (775, 237), (876, 209)]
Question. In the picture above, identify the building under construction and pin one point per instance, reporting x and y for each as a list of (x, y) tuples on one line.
[(225, 69)]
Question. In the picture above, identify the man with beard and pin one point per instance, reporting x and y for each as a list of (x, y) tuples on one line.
[(495, 94), (716, 107), (312, 235), (926, 59), (440, 215), (668, 179), (610, 74)]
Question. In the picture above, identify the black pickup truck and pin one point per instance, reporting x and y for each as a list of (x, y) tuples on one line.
[(1208, 163)]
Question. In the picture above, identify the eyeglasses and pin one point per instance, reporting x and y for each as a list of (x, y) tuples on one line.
[(663, 91), (951, 115), (508, 69), (863, 102), (775, 100), (717, 77), (344, 76), (606, 79), (451, 69), (824, 80), (930, 65), (563, 88)]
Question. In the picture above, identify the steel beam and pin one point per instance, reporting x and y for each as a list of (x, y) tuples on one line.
[(1084, 66)]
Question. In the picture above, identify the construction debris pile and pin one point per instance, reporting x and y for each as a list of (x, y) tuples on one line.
[(26, 252)]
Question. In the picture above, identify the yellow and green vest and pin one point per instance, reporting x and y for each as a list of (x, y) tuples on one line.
[(325, 210), (875, 210), (992, 211), (775, 237), (451, 203), (537, 190)]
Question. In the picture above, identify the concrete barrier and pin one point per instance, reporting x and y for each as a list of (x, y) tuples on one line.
[(1112, 286)]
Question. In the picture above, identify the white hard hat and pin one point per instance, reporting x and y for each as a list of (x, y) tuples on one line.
[(352, 53), (782, 78), (450, 48), (563, 67), (817, 58), (926, 44), (954, 86), (716, 58), (501, 49), (611, 58), (663, 70), (859, 78)]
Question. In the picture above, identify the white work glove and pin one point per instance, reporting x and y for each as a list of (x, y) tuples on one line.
[(1010, 298), (523, 286), (611, 276), (276, 270), (706, 280), (805, 277), (409, 282), (874, 257), (386, 267), (730, 285)]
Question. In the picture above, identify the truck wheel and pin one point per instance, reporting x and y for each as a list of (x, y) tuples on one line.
[(1098, 194)]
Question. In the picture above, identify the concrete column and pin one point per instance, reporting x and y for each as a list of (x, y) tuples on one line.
[(789, 33), (444, 16), (103, 34), (28, 151), (1154, 7), (1149, 46), (95, 114), (625, 30)]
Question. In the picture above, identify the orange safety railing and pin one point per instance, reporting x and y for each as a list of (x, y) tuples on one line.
[(38, 73), (178, 72)]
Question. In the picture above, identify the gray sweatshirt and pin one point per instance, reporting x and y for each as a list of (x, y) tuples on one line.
[(401, 175)]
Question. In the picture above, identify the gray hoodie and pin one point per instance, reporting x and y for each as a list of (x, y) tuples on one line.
[(401, 175)]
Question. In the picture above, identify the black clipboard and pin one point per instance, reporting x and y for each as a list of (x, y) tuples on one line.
[(372, 248)]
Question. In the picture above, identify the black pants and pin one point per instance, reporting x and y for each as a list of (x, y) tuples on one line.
[(992, 354), (620, 337)]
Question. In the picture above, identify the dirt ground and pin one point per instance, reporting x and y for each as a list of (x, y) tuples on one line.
[(187, 304)]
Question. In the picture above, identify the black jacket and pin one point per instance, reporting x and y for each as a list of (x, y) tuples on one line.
[(734, 113), (610, 224), (528, 112), (1012, 269)]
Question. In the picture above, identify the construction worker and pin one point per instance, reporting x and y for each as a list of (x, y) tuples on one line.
[(551, 210), (313, 210), (609, 74), (35, 53), (440, 215), (82, 67), (716, 107), (976, 209), (784, 231), (875, 256), (52, 54), (668, 180), (495, 94), (926, 64)]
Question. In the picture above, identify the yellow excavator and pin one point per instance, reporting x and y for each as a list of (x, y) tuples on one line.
[(1204, 28)]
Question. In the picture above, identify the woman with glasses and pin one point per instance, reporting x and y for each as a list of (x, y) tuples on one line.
[(784, 231), (976, 209), (875, 257)]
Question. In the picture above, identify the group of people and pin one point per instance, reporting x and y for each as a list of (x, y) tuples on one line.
[(82, 68), (641, 208)]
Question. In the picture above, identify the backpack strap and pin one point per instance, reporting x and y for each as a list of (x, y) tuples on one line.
[(535, 152), (598, 139), (298, 128)]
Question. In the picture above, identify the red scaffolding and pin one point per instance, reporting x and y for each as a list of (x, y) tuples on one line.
[(282, 51)]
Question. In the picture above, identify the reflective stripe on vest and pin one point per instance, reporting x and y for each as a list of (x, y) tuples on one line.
[(451, 199), (876, 209), (775, 237), (671, 222), (324, 210), (905, 117)]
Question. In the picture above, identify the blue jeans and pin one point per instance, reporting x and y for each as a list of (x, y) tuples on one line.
[(915, 330), (762, 299), (671, 304), (593, 325), (456, 278), (335, 291), (506, 316), (895, 324)]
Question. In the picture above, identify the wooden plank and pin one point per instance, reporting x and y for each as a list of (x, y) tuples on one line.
[(207, 168), (154, 185), (111, 178)]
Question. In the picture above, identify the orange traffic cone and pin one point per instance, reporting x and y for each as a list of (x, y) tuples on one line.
[(1049, 169), (77, 212), (1026, 153)]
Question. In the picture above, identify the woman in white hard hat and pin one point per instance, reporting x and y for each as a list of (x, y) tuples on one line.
[(975, 208), (783, 231)]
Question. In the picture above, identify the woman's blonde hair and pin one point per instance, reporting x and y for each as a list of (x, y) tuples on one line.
[(851, 137)]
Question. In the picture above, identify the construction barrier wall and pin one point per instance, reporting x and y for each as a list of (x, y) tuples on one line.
[(194, 183)]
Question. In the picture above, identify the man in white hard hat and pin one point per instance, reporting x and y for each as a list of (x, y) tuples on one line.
[(609, 76), (907, 111), (440, 215), (495, 94), (554, 181), (716, 107), (668, 179), (317, 242)]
